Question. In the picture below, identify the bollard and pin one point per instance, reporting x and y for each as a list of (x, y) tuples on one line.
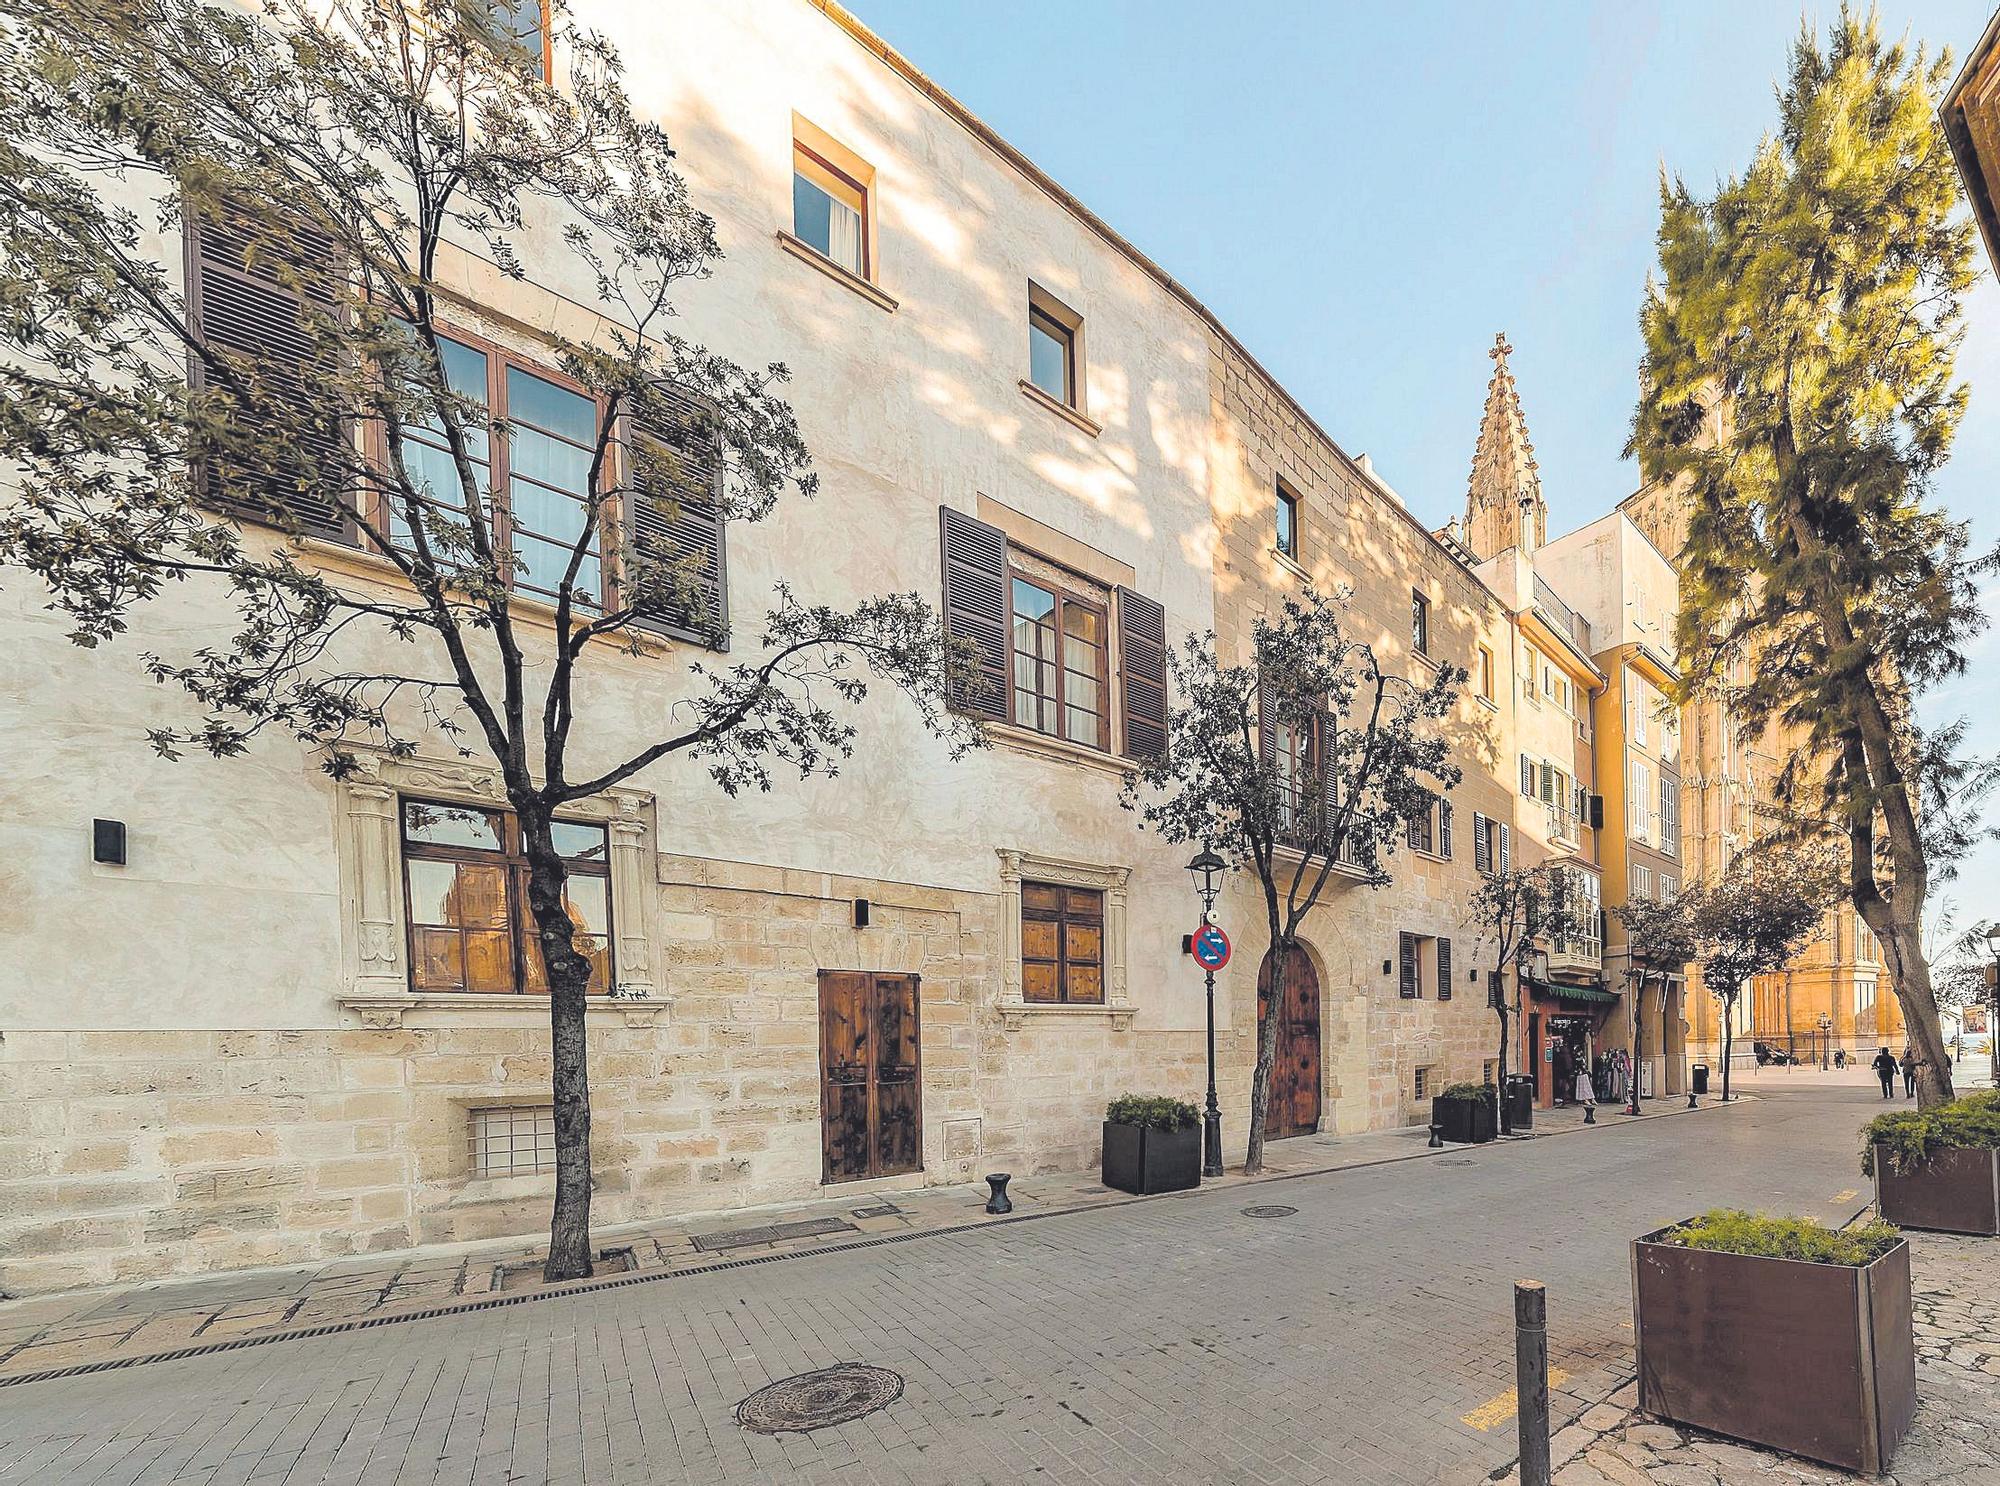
[(1437, 1137), (998, 1203), (1531, 1379), (1590, 1114)]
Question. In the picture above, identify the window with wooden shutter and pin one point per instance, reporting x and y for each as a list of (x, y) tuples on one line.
[(677, 563), (1444, 969), (1506, 851), (1142, 648), (1482, 847), (1527, 776), (1444, 829), (1407, 984), (1062, 944), (976, 609), (252, 303)]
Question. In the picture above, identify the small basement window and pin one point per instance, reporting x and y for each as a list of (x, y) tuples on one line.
[(1421, 1085), (517, 1140)]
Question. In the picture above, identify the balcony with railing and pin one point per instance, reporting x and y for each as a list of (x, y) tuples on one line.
[(1560, 617)]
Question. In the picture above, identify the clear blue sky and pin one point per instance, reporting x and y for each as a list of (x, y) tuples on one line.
[(1365, 194)]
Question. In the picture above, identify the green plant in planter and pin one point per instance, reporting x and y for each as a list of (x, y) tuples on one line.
[(1478, 1092), (1733, 1231), (1910, 1136), (1152, 1112)]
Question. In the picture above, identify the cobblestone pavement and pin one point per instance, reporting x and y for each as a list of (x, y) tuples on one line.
[(1954, 1441), (1177, 1339), (60, 1332)]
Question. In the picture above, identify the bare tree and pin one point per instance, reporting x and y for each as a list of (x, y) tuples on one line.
[(1306, 764), (332, 167)]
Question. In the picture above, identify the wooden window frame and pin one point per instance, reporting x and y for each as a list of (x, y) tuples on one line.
[(1062, 918), (499, 465), (1486, 672), (1286, 505), (866, 209), (514, 863), (1064, 600), (1420, 622), (1065, 336)]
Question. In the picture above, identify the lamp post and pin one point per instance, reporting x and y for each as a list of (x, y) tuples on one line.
[(1993, 1010), (1205, 869)]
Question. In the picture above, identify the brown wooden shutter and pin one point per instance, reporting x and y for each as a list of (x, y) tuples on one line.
[(976, 609), (1142, 649), (1444, 829), (1506, 851), (1444, 969), (1482, 848), (676, 577), (1408, 983), (1267, 720), (1527, 776), (240, 307)]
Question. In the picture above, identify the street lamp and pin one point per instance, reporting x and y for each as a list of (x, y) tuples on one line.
[(1993, 1013), (1205, 869)]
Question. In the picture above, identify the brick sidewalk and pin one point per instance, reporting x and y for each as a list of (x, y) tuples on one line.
[(86, 1329)]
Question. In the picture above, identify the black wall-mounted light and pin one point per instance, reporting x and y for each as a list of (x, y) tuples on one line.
[(1388, 967), (860, 913), (107, 842)]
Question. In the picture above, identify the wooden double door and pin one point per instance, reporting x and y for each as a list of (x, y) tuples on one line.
[(871, 1089), (1295, 1074)]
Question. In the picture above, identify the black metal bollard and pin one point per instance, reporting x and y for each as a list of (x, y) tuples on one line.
[(998, 1203), (1531, 1379), (1437, 1137), (1590, 1114)]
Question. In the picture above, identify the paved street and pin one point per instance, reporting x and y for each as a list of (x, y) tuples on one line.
[(1171, 1340)]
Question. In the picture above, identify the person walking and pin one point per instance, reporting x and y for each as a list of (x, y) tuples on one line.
[(1909, 1074), (1885, 1069)]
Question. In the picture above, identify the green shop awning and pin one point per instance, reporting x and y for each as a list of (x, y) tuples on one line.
[(1576, 995)]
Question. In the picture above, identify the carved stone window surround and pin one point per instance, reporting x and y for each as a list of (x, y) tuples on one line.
[(375, 957), (1017, 867)]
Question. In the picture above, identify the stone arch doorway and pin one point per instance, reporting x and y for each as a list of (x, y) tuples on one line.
[(1295, 1070)]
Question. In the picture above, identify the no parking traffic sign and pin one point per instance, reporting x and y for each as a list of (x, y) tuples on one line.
[(1211, 947)]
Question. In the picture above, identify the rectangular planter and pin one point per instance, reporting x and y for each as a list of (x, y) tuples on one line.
[(1467, 1121), (1147, 1161), (1816, 1359), (1955, 1191)]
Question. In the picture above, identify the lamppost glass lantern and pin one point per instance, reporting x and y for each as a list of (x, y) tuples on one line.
[(1204, 869), (1993, 940)]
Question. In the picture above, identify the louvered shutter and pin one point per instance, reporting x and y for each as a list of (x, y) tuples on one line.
[(1444, 969), (243, 311), (1597, 812), (976, 609), (676, 577), (1444, 829), (1506, 851), (1482, 848), (1496, 996), (1408, 983), (1142, 648), (1411, 836), (1527, 776), (1267, 723)]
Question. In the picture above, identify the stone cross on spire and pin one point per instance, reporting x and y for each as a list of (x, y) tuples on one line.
[(1503, 504)]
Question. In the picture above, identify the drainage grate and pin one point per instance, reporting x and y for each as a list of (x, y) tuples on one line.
[(1454, 1161), (819, 1400), (737, 1238), (1271, 1211), (879, 1210)]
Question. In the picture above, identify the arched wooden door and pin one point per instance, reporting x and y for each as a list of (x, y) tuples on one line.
[(1294, 1106)]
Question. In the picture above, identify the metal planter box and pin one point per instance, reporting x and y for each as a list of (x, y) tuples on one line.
[(1145, 1161), (1467, 1121), (1954, 1191), (1816, 1359)]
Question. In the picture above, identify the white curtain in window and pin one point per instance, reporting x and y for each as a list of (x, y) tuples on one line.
[(843, 234)]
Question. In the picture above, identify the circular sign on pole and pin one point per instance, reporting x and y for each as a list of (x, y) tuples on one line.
[(1211, 947)]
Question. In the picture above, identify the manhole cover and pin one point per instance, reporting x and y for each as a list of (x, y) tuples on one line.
[(818, 1400), (1454, 1161), (1273, 1211)]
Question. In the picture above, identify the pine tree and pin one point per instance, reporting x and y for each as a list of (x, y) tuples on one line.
[(1800, 384)]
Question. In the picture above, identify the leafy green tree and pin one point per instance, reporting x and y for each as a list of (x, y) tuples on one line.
[(346, 159), (1660, 937), (1799, 382), (1761, 911), (1517, 908), (1305, 764)]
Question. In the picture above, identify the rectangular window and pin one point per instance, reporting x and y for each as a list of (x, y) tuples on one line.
[(535, 482), (1642, 881), (829, 210), (1530, 672), (1409, 980), (1527, 776), (512, 1141), (1059, 663), (1669, 889), (1670, 815), (1419, 831), (1637, 705), (465, 895), (1292, 749), (1486, 673), (1420, 623), (1062, 944), (1288, 521), (1638, 798), (1054, 330), (1420, 1085), (1482, 845)]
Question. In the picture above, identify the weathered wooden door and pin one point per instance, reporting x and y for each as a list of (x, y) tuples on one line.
[(1294, 1106), (871, 1092)]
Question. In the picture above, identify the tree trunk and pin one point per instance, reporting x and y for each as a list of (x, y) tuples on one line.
[(1910, 978), (568, 976), (1267, 1055), (1500, 1010), (1728, 1038), (1636, 1020)]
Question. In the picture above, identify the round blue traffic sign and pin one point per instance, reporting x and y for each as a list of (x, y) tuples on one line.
[(1211, 947)]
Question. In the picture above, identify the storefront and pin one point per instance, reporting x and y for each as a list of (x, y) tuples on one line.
[(1565, 1023)]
